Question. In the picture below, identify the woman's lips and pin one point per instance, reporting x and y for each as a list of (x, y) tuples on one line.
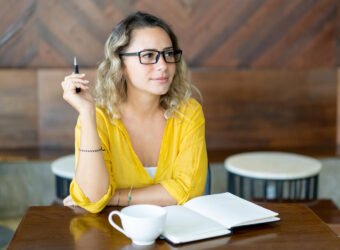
[(160, 79)]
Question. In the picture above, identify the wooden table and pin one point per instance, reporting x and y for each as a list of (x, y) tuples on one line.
[(58, 227)]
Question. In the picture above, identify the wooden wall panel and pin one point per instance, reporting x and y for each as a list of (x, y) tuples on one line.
[(244, 109), (269, 78), (18, 34), (57, 118), (18, 109), (259, 109), (269, 109), (257, 34), (338, 36), (338, 109), (274, 34)]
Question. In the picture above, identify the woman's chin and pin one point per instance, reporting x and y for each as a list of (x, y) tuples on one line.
[(160, 91)]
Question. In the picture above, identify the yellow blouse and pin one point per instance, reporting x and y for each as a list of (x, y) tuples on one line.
[(182, 163)]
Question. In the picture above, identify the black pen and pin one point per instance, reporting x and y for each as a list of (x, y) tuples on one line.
[(76, 70)]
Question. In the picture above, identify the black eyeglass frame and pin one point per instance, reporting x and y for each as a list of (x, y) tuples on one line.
[(175, 51)]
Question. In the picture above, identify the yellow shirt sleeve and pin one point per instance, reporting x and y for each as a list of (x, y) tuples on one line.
[(189, 168)]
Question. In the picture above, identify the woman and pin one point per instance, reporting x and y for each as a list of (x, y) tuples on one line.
[(142, 140)]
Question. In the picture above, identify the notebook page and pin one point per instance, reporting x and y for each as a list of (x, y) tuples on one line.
[(229, 209), (183, 225)]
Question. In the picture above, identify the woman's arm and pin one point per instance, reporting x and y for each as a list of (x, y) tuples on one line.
[(154, 194), (91, 174)]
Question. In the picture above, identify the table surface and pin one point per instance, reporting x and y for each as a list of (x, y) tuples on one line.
[(273, 165), (61, 227)]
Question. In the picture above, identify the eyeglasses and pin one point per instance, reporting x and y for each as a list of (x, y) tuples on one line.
[(151, 56)]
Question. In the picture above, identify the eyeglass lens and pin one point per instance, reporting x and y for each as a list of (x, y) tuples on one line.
[(152, 56)]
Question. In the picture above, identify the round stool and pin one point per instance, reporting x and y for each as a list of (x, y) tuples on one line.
[(6, 235), (273, 176), (63, 169)]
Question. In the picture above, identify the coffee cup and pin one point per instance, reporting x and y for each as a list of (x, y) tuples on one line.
[(141, 223)]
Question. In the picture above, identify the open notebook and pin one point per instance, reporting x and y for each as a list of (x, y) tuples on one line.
[(211, 216)]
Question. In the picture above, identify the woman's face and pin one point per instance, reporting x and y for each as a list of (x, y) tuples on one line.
[(154, 79)]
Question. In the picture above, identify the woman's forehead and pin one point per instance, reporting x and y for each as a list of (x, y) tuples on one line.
[(149, 38)]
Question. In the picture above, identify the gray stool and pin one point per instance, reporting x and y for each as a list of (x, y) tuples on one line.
[(63, 169), (6, 235), (273, 176)]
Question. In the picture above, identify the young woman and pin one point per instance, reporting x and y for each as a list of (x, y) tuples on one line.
[(142, 139)]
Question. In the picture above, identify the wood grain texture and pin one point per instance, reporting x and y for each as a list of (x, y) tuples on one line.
[(244, 109), (338, 108), (18, 34), (62, 227), (257, 109), (269, 109), (233, 34), (269, 78), (18, 109), (338, 37)]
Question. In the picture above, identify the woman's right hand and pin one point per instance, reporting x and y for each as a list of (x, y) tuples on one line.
[(82, 101)]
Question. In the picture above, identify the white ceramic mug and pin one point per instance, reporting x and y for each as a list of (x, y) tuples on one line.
[(141, 223)]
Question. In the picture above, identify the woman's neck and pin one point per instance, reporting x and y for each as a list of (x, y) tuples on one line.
[(141, 107)]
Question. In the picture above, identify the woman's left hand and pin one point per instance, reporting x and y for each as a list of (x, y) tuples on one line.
[(68, 201)]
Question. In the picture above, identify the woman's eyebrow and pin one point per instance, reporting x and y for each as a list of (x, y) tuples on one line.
[(154, 49)]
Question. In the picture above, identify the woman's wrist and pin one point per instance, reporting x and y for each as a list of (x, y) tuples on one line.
[(87, 115), (120, 198), (117, 198)]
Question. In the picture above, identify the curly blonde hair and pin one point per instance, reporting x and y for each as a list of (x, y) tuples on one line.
[(111, 87)]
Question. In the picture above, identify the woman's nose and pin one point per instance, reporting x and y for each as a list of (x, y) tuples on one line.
[(161, 62)]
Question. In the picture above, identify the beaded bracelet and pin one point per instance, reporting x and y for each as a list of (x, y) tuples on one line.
[(91, 150), (129, 197)]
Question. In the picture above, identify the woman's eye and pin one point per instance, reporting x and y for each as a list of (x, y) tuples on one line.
[(169, 54), (148, 55)]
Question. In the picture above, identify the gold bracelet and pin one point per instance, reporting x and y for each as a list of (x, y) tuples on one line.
[(129, 197), (91, 150)]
